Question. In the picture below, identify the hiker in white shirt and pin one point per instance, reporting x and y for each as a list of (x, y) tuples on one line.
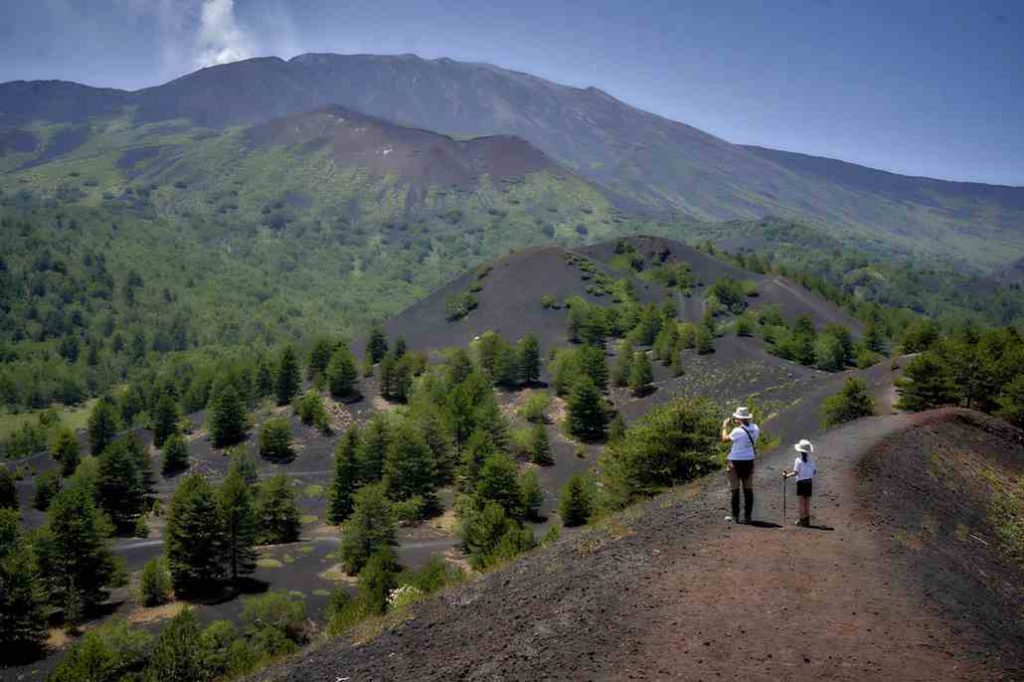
[(804, 469), (740, 463)]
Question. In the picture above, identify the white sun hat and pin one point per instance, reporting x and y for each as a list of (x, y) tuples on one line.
[(804, 446), (742, 413)]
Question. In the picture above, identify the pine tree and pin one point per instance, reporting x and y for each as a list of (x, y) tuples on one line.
[(386, 372), (47, 486), (623, 368), (8, 491), (377, 345), (75, 561), (65, 451), (410, 469), (346, 477), (853, 402), (276, 440), (529, 359), (533, 496), (288, 376), (22, 599), (319, 357), (276, 511), (176, 658), (641, 376), (155, 583), (175, 455), (377, 580), (165, 420), (238, 519), (194, 537), (104, 424), (540, 445), (264, 384), (586, 417), (373, 449), (226, 416), (498, 482), (121, 485), (926, 383), (401, 348), (593, 365), (370, 529), (342, 373), (576, 500)]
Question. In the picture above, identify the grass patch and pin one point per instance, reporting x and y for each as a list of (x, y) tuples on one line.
[(308, 518), (74, 418), (314, 490), (269, 563)]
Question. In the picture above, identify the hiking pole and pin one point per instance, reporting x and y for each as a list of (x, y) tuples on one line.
[(783, 498)]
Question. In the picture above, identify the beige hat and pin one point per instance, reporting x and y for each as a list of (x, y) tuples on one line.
[(742, 413), (804, 446)]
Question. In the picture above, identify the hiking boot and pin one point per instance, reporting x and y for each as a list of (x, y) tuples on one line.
[(803, 523), (731, 519)]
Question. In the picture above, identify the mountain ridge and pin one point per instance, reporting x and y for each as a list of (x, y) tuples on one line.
[(666, 169)]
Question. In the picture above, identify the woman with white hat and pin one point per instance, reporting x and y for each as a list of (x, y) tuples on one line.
[(804, 469), (740, 463)]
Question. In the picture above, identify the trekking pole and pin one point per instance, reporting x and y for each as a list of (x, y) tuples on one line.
[(783, 498)]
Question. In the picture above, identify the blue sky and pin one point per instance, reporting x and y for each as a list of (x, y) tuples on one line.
[(924, 88)]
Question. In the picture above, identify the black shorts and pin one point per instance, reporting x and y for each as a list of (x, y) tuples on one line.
[(803, 488), (743, 468)]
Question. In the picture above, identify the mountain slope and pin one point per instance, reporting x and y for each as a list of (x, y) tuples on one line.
[(660, 164)]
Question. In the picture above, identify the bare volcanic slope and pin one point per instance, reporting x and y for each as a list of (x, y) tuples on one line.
[(792, 299), (509, 300), (668, 591), (421, 157)]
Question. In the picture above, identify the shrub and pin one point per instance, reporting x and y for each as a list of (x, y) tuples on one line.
[(276, 440), (672, 443), (549, 301), (110, 652), (576, 500), (457, 306), (312, 413), (535, 408), (490, 536), (155, 583), (176, 658), (276, 622), (852, 402)]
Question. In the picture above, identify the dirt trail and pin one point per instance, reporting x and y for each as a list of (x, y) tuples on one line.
[(669, 591)]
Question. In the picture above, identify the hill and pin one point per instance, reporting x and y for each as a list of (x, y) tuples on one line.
[(642, 595), (662, 166), (509, 292)]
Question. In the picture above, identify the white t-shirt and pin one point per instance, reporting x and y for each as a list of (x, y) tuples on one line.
[(742, 447), (804, 470)]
